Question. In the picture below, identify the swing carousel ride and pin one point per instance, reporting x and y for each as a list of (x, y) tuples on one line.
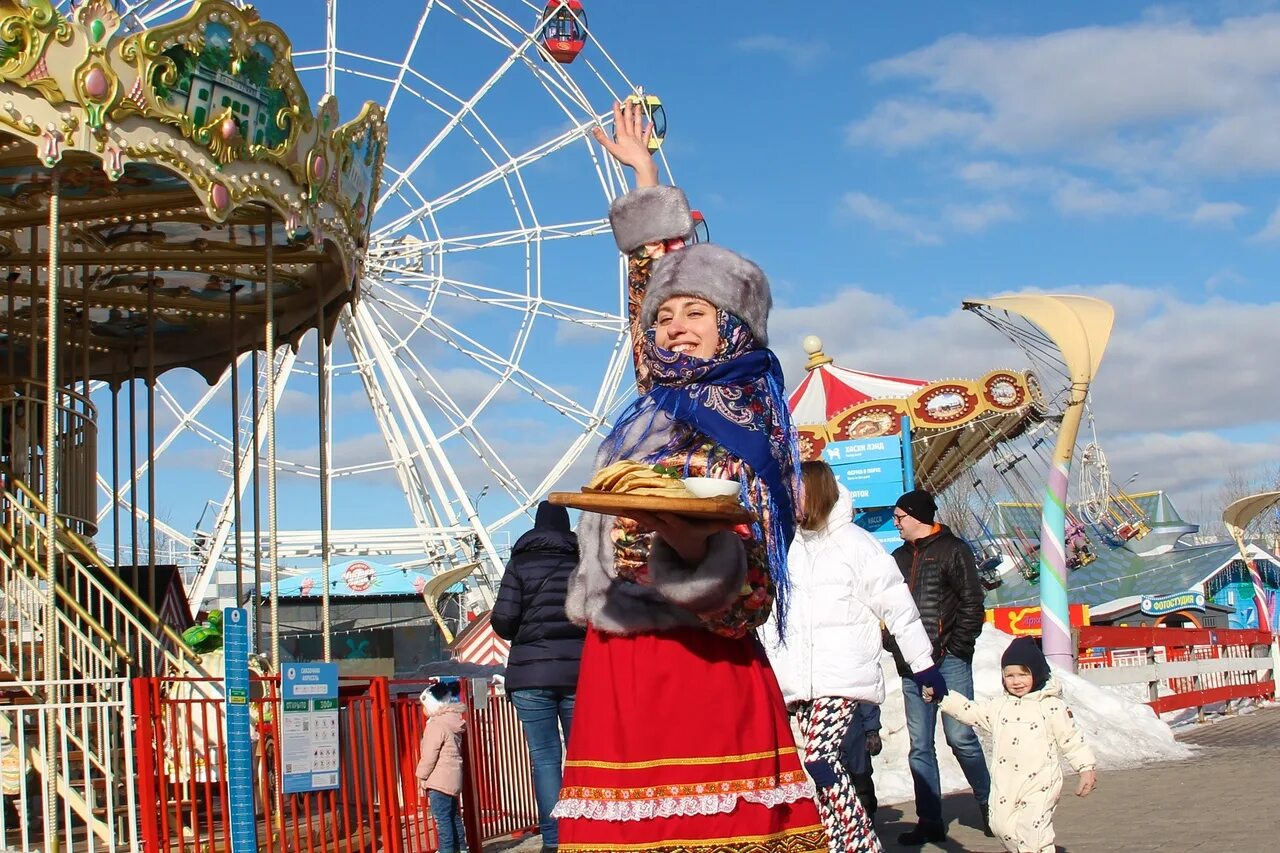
[(983, 445), (215, 213)]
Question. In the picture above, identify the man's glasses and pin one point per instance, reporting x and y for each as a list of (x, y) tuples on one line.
[(898, 516)]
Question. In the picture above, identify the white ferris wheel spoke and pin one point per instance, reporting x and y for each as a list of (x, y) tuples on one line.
[(463, 277)]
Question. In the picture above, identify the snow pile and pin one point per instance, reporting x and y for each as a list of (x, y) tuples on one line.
[(1122, 731)]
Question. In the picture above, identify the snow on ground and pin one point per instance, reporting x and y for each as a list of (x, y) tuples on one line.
[(1122, 731)]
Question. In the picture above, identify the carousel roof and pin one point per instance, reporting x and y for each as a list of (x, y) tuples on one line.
[(827, 389), (194, 183), (954, 422)]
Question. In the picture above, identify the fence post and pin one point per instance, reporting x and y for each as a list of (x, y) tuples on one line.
[(385, 765), (470, 759), (1153, 686), (144, 746)]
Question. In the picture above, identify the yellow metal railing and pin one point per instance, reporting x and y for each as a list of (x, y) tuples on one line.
[(142, 628)]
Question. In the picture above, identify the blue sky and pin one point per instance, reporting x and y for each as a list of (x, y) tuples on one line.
[(882, 162)]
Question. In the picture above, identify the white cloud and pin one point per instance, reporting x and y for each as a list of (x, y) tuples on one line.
[(1222, 213), (1158, 96), (972, 218), (1270, 231), (800, 54), (886, 217), (1191, 466), (1224, 279), (1084, 198)]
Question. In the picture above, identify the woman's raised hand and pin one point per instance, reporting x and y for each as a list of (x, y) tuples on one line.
[(630, 142)]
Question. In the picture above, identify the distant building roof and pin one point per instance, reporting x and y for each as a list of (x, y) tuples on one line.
[(1118, 572)]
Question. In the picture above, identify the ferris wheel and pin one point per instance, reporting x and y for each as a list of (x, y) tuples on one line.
[(487, 348)]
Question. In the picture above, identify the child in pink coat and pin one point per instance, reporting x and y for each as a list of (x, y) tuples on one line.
[(440, 762)]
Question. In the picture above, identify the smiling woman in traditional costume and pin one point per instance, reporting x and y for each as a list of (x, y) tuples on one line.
[(684, 743)]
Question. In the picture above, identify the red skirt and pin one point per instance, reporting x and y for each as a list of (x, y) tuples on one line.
[(680, 744)]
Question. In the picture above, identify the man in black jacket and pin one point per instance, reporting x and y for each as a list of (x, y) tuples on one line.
[(546, 649), (940, 571)]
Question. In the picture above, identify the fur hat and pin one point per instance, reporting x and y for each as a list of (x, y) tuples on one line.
[(649, 215), (1023, 651), (724, 278), (918, 504)]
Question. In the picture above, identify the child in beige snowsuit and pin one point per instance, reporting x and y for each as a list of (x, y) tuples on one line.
[(1033, 731)]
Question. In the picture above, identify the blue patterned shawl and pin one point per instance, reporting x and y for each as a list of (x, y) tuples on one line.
[(735, 400)]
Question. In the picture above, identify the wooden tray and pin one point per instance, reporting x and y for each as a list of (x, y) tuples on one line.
[(608, 503)]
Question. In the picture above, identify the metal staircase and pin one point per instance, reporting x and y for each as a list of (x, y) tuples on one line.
[(66, 754)]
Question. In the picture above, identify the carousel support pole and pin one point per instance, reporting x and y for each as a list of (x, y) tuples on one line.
[(133, 461), (322, 355), (115, 469), (152, 599), (273, 552), (1079, 327), (52, 692), (235, 446), (257, 508), (1237, 518)]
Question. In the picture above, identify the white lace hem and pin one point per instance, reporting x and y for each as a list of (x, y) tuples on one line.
[(700, 804)]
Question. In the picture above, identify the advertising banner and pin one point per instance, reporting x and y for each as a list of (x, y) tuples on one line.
[(1025, 621)]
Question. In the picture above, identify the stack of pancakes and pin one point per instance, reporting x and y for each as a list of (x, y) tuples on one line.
[(636, 478)]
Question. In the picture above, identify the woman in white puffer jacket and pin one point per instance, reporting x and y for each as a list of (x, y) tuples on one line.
[(844, 586)]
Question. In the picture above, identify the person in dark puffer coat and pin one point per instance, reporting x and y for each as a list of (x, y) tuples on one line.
[(546, 649)]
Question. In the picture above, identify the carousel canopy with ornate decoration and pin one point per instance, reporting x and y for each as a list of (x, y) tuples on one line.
[(192, 177), (954, 422)]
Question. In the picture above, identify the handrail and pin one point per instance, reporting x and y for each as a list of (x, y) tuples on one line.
[(71, 626), (90, 409), (63, 595), (84, 550)]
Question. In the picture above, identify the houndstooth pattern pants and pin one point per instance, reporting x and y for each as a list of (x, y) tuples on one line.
[(823, 723)]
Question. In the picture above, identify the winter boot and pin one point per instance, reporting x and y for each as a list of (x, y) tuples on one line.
[(986, 820), (926, 832)]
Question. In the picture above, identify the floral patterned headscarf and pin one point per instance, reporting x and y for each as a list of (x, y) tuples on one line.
[(734, 399)]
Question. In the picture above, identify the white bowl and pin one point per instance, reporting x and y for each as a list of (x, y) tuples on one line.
[(711, 487)]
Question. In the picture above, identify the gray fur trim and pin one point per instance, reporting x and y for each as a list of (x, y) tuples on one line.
[(596, 595), (599, 598), (722, 277), (704, 588), (648, 215)]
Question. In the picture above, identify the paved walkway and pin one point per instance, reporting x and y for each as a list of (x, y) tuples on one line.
[(1224, 799)]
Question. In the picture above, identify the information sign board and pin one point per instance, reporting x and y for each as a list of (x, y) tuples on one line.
[(309, 750)]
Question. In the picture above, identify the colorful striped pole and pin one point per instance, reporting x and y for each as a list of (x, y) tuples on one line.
[(1055, 611), (1079, 326)]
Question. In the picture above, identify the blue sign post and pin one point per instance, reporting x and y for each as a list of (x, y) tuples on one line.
[(309, 727), (235, 647), (876, 471)]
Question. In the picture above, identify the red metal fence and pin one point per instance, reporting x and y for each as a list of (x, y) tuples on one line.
[(1180, 667), (180, 745)]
